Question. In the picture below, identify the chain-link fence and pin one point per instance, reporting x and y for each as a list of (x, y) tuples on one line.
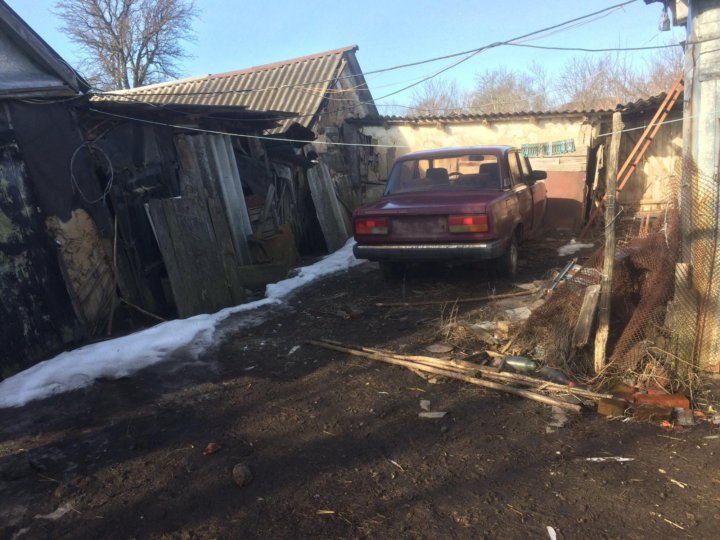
[(665, 291), (699, 287)]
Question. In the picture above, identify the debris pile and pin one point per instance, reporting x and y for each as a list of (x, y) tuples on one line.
[(641, 346), (486, 374)]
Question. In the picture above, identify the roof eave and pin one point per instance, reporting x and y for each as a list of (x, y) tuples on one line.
[(20, 32)]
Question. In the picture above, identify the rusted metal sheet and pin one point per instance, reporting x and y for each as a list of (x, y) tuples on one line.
[(566, 199), (297, 86)]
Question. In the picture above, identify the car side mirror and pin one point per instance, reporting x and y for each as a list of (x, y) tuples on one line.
[(539, 175)]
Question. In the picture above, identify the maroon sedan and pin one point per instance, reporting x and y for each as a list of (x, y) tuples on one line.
[(453, 204)]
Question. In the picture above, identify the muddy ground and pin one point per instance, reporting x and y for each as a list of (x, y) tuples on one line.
[(335, 444)]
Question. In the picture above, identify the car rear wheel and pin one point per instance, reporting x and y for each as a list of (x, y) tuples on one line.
[(506, 264), (392, 271)]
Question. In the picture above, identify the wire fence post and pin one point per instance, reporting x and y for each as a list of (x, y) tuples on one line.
[(601, 337)]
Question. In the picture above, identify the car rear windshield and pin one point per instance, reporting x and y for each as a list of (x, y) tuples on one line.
[(457, 173)]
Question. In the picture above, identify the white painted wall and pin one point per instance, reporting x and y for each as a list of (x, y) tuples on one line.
[(513, 132)]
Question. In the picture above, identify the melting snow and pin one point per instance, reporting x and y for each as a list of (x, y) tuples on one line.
[(123, 356), (572, 247)]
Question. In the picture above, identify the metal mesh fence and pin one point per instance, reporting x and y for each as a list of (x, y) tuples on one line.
[(699, 294), (665, 291)]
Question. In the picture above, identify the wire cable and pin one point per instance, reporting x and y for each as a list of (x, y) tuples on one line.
[(110, 172), (583, 49), (242, 135), (467, 54)]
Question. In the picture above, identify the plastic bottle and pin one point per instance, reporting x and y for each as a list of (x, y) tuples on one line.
[(521, 363)]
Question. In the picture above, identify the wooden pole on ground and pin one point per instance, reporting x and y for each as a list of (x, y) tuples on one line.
[(449, 371), (457, 300), (608, 262)]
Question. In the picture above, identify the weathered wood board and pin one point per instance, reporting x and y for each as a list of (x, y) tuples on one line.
[(327, 206), (198, 257), (581, 335), (208, 168)]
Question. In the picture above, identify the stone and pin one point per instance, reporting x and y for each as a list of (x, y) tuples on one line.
[(439, 348), (684, 417), (242, 475), (518, 314), (432, 414)]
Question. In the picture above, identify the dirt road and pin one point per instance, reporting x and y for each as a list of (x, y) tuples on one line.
[(335, 444)]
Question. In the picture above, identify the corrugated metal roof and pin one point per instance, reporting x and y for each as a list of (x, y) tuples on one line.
[(466, 117), (648, 104), (295, 86), (639, 106)]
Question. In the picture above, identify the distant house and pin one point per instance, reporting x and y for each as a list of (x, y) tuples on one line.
[(123, 208), (243, 153), (566, 144), (311, 97)]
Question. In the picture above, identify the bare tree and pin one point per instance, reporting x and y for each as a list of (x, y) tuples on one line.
[(504, 91), (664, 68), (436, 97), (129, 43), (606, 81)]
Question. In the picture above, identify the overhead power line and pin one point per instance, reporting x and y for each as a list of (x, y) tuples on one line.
[(240, 135), (466, 54), (583, 49), (507, 42)]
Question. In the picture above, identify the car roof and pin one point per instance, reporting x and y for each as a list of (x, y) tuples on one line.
[(450, 152)]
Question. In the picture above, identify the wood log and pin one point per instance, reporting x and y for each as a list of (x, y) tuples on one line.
[(581, 335), (457, 301), (541, 398)]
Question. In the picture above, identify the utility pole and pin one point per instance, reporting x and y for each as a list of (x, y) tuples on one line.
[(601, 337)]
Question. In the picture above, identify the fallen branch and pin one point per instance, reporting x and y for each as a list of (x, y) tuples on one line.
[(452, 375), (470, 368), (458, 301)]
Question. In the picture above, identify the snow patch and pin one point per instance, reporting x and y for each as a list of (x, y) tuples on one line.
[(572, 247), (125, 355)]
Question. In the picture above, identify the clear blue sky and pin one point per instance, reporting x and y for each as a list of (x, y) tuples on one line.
[(235, 34)]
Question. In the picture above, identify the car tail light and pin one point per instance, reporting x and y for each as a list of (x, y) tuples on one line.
[(372, 226), (468, 224)]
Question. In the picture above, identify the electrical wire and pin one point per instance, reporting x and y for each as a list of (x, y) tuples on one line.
[(110, 172), (466, 54), (585, 19), (241, 135), (583, 49)]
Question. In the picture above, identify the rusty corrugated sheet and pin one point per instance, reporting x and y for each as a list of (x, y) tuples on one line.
[(297, 86)]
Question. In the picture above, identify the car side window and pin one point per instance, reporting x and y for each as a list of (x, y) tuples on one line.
[(514, 168), (525, 166)]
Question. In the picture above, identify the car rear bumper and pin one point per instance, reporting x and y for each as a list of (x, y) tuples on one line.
[(430, 252)]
